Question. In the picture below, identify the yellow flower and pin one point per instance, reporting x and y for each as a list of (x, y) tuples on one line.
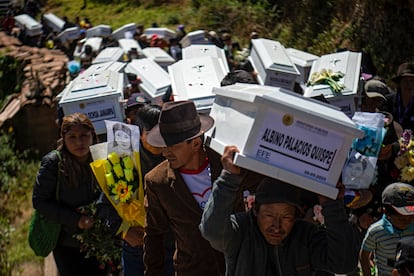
[(122, 191), (114, 158), (407, 174), (410, 154), (128, 164), (129, 175), (118, 170), (110, 181), (108, 166)]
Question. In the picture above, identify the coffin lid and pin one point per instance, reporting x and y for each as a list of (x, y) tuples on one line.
[(346, 62), (283, 99), (273, 55)]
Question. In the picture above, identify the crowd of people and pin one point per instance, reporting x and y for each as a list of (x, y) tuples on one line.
[(198, 220)]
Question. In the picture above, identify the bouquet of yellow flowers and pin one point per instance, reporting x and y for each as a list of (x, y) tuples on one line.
[(405, 157), (119, 177), (328, 77)]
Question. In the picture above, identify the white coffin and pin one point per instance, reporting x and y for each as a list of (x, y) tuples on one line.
[(272, 64), (120, 32), (159, 56), (129, 43), (97, 95), (348, 63), (194, 37), (115, 66), (194, 79), (197, 51), (303, 62), (29, 24), (154, 80), (71, 33), (54, 22), (283, 135), (109, 54), (163, 33), (94, 42), (99, 30)]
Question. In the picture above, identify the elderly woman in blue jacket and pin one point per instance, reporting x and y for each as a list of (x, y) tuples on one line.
[(270, 239)]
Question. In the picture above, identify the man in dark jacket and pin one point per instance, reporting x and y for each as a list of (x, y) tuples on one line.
[(270, 239), (177, 190)]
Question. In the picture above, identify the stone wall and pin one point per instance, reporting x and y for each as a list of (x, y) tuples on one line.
[(32, 113)]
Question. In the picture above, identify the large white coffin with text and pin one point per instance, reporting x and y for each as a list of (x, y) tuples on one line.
[(97, 95), (283, 135), (197, 51), (194, 79), (272, 64), (155, 81), (348, 63)]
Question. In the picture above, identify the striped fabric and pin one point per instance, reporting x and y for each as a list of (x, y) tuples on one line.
[(381, 238)]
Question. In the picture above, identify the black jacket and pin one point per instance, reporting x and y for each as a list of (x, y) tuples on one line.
[(64, 210)]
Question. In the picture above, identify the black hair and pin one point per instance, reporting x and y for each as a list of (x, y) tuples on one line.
[(389, 210), (241, 76), (147, 117)]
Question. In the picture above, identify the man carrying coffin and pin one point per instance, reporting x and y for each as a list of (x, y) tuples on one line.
[(271, 239), (178, 189)]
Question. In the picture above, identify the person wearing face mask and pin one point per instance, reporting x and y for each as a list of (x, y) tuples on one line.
[(271, 239)]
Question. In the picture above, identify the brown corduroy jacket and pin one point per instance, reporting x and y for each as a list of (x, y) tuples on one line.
[(170, 205)]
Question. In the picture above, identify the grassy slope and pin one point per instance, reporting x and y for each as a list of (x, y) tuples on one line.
[(118, 14)]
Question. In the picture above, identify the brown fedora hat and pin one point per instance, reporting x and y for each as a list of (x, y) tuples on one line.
[(178, 122), (404, 70)]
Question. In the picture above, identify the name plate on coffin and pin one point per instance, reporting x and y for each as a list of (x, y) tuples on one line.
[(300, 147), (98, 111)]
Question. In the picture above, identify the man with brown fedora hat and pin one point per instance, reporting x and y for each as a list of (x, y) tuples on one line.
[(177, 191), (403, 100)]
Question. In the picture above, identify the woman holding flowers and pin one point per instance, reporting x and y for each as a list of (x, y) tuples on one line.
[(64, 185)]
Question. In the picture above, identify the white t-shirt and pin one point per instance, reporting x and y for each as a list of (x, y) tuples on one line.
[(199, 183)]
